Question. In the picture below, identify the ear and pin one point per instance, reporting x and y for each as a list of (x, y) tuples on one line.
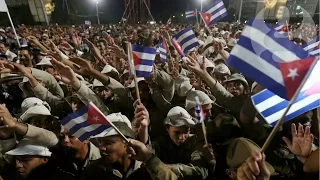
[(85, 142), (45, 160)]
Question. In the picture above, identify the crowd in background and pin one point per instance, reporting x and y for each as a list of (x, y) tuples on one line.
[(60, 69)]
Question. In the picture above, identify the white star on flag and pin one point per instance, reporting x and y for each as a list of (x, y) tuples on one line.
[(207, 18), (293, 73), (96, 118)]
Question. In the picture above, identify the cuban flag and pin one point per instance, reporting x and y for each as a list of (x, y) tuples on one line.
[(313, 47), (217, 10), (141, 60), (264, 57), (86, 122), (199, 114), (191, 14), (186, 39), (169, 21), (271, 107), (206, 18), (282, 29), (162, 50)]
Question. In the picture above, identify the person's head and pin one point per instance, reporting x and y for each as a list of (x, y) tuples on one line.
[(46, 65), (75, 102), (25, 55), (101, 91), (111, 72), (237, 85), (221, 73), (111, 144), (37, 112), (125, 78), (29, 156), (3, 57), (143, 88), (70, 144), (178, 123), (239, 150), (101, 45), (205, 101), (3, 48)]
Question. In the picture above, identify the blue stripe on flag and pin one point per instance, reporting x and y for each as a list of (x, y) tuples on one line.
[(187, 39), (311, 42), (98, 130), (256, 48), (301, 105), (143, 49), (273, 34), (177, 36), (77, 114), (143, 74), (186, 49)]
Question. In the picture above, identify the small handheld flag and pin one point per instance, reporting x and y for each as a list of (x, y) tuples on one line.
[(313, 47), (162, 49), (200, 116), (206, 18), (186, 39), (88, 121), (143, 59), (190, 14), (217, 10)]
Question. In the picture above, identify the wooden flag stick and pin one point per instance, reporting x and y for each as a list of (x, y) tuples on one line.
[(293, 99), (114, 127), (133, 70)]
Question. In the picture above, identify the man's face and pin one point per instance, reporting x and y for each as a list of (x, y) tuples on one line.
[(3, 48), (178, 134), (220, 77), (102, 92), (112, 148), (25, 57), (41, 121), (235, 88), (76, 104), (71, 144), (101, 46), (26, 164)]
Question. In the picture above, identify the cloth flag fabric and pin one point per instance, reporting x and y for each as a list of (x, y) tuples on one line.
[(169, 20), (199, 114), (177, 46), (3, 6), (186, 39), (206, 18), (313, 47), (191, 14), (264, 57), (86, 122), (282, 29), (272, 107), (141, 59), (217, 10), (162, 50)]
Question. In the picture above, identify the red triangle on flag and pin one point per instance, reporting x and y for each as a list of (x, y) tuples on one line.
[(95, 116), (136, 59), (205, 17), (177, 47), (293, 74)]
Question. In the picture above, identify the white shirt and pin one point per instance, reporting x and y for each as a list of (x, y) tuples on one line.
[(10, 55)]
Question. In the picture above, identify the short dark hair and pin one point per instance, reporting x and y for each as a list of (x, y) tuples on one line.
[(26, 49)]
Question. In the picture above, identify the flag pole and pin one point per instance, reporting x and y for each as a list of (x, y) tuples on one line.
[(14, 30), (114, 127), (202, 123), (291, 102), (133, 70)]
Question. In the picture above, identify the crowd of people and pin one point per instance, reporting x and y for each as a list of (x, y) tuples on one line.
[(58, 70)]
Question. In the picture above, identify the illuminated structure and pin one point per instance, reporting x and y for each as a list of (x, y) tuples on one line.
[(137, 11)]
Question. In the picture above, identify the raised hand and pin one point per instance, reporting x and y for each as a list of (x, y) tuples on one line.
[(301, 141), (82, 66), (193, 64), (141, 115), (66, 74), (254, 168), (6, 118), (138, 151), (6, 67)]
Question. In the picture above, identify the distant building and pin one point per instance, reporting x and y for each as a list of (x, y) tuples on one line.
[(274, 8)]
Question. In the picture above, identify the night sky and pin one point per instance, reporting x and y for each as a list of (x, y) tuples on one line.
[(112, 10)]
